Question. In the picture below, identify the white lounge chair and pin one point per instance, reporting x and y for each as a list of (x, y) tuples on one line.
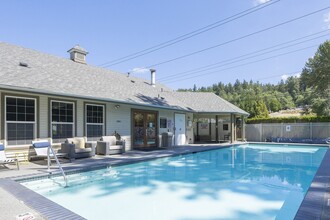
[(4, 160), (42, 148)]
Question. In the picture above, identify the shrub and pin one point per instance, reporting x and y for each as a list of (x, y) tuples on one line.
[(301, 119)]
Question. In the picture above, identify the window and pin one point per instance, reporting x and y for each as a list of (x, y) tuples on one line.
[(20, 120), (225, 127), (94, 121), (163, 122), (62, 120)]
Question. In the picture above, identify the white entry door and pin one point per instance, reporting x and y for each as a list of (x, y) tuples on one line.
[(180, 129)]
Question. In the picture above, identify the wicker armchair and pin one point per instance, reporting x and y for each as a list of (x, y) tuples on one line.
[(78, 147), (109, 145)]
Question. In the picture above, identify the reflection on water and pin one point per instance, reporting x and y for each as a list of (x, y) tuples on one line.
[(241, 182)]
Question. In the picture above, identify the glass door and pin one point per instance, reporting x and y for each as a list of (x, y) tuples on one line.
[(151, 129), (144, 129), (138, 129)]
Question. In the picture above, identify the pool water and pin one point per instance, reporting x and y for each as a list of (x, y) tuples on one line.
[(241, 182)]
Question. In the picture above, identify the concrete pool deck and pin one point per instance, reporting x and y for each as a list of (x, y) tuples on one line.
[(21, 200)]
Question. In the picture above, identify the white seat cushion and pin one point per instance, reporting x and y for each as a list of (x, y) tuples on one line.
[(116, 147), (82, 150), (111, 139), (79, 142)]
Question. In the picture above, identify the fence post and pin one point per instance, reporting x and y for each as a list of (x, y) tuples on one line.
[(261, 130), (310, 130)]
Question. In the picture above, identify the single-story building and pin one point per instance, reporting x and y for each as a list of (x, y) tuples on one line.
[(44, 96)]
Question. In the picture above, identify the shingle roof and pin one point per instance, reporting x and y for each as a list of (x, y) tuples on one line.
[(54, 75), (207, 102)]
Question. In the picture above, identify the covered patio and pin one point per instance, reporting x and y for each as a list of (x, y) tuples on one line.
[(218, 128)]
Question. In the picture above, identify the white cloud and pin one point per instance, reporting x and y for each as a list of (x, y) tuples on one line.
[(286, 76), (327, 19), (139, 70), (297, 75), (258, 2)]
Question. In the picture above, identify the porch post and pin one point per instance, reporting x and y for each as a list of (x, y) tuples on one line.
[(243, 128), (216, 129), (232, 128)]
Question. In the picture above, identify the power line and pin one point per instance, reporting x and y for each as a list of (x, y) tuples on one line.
[(247, 56), (237, 39), (189, 35), (234, 58), (233, 67)]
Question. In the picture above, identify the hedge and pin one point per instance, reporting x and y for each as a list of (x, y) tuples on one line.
[(302, 119)]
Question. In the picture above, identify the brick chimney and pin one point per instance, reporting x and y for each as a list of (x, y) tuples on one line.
[(78, 54)]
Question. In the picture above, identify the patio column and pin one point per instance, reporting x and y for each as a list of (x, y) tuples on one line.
[(232, 128), (216, 129), (243, 129)]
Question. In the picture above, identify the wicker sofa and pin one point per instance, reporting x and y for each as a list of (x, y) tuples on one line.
[(78, 147), (109, 145)]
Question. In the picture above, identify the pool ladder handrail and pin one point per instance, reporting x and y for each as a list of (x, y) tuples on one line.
[(51, 150)]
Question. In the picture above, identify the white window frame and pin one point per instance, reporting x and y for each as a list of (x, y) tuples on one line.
[(56, 123), (86, 123), (20, 122)]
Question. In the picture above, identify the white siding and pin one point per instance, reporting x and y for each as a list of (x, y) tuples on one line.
[(43, 117), (119, 120), (169, 115), (80, 118)]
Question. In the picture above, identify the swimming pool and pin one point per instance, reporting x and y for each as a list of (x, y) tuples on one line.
[(248, 181)]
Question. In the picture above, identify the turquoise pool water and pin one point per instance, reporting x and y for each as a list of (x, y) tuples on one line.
[(241, 182)]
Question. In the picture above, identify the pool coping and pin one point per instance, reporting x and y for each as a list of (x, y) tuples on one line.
[(315, 205), (45, 207)]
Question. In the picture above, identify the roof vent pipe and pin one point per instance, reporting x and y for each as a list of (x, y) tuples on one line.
[(153, 77)]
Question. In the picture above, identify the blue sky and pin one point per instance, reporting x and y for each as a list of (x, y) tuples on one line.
[(113, 29)]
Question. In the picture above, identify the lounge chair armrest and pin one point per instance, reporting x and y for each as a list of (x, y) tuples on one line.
[(91, 145), (69, 149), (102, 147), (122, 143)]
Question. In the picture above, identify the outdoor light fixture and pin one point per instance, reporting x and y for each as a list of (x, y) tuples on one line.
[(117, 106)]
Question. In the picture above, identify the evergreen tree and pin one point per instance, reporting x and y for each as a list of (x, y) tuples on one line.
[(310, 91), (260, 109), (316, 75)]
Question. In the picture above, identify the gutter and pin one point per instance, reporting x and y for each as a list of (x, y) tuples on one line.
[(233, 112)]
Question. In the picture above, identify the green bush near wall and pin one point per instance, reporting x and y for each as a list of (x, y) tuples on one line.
[(302, 119)]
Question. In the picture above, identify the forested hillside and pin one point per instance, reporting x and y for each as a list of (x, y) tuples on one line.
[(311, 90)]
